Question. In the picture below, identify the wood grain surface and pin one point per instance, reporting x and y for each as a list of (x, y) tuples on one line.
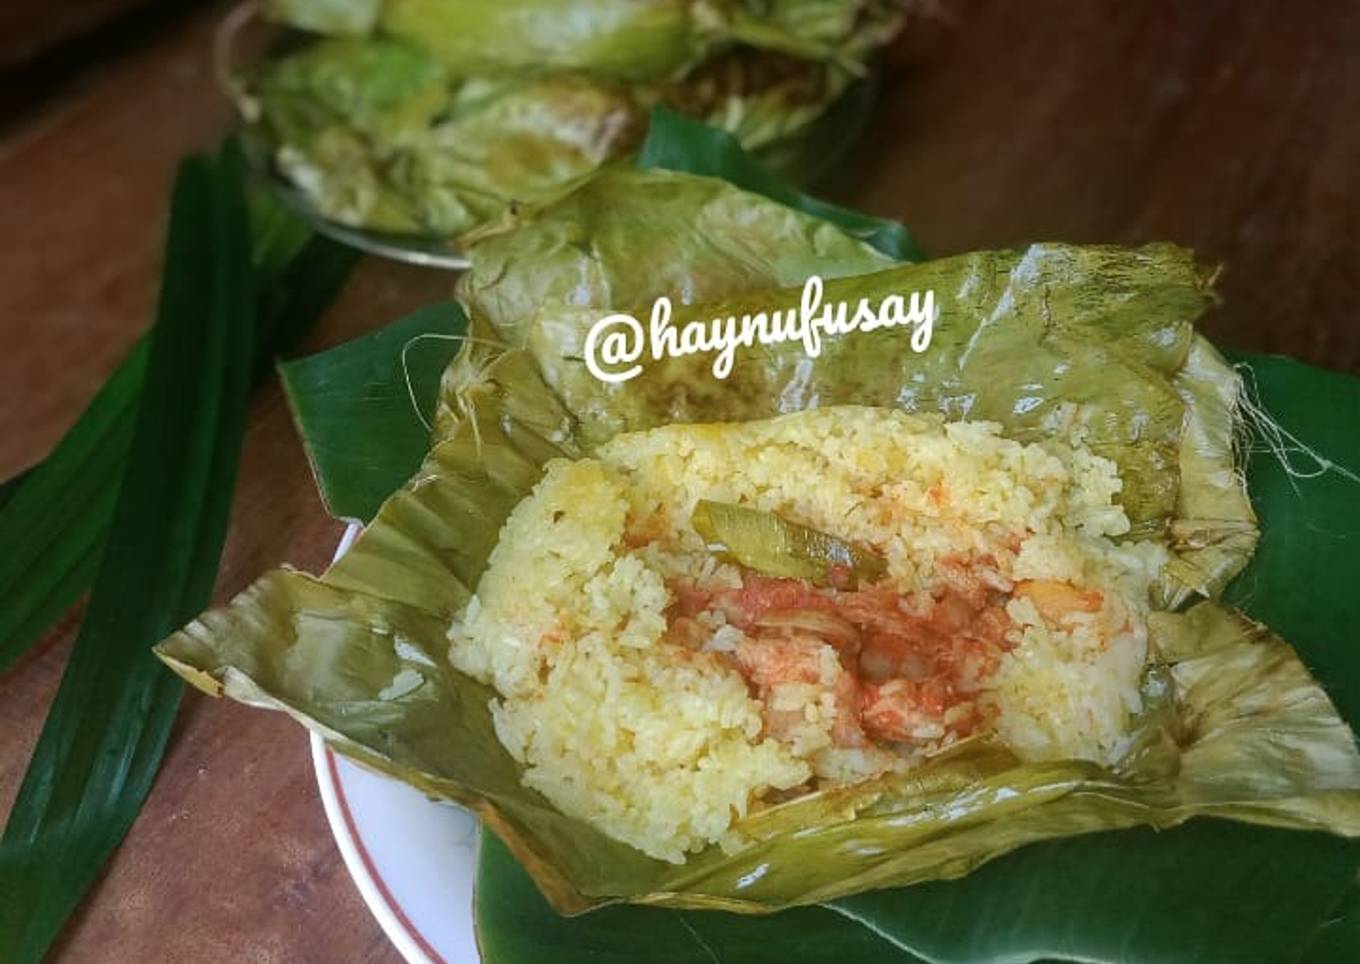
[(1225, 126)]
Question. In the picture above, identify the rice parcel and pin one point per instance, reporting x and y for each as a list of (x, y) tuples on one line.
[(661, 690)]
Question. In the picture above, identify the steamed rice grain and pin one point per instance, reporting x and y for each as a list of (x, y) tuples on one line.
[(666, 739)]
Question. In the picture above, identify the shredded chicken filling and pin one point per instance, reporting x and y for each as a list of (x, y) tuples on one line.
[(909, 667)]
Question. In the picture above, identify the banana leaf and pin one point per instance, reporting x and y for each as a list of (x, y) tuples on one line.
[(381, 132), (797, 116), (409, 151), (616, 39), (677, 143), (342, 394), (378, 135), (703, 238), (1210, 891), (1233, 725), (628, 40), (1037, 340)]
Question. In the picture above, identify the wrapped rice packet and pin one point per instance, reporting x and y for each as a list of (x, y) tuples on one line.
[(1093, 344), (1233, 724), (433, 116), (1060, 343)]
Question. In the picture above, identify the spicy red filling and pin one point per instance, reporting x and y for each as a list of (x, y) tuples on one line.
[(911, 664)]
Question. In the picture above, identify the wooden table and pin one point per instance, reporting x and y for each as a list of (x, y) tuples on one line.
[(1223, 126)]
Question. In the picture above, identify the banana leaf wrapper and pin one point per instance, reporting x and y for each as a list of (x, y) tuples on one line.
[(380, 132), (1095, 344), (1233, 725), (634, 41), (377, 135), (702, 238)]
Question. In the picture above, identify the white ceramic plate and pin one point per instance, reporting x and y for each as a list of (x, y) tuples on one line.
[(414, 860)]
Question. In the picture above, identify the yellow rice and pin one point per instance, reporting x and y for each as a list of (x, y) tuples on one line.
[(663, 746)]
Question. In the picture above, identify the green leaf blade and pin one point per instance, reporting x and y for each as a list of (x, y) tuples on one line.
[(515, 925), (55, 517), (277, 235), (359, 390), (1129, 896), (11, 485), (97, 755), (1301, 578), (292, 298), (54, 524)]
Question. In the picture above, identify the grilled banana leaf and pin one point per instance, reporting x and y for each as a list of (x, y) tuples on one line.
[(1233, 724), (433, 116), (638, 41), (1096, 344), (378, 135)]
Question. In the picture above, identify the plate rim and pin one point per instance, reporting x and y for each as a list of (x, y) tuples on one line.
[(377, 896), (404, 935)]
